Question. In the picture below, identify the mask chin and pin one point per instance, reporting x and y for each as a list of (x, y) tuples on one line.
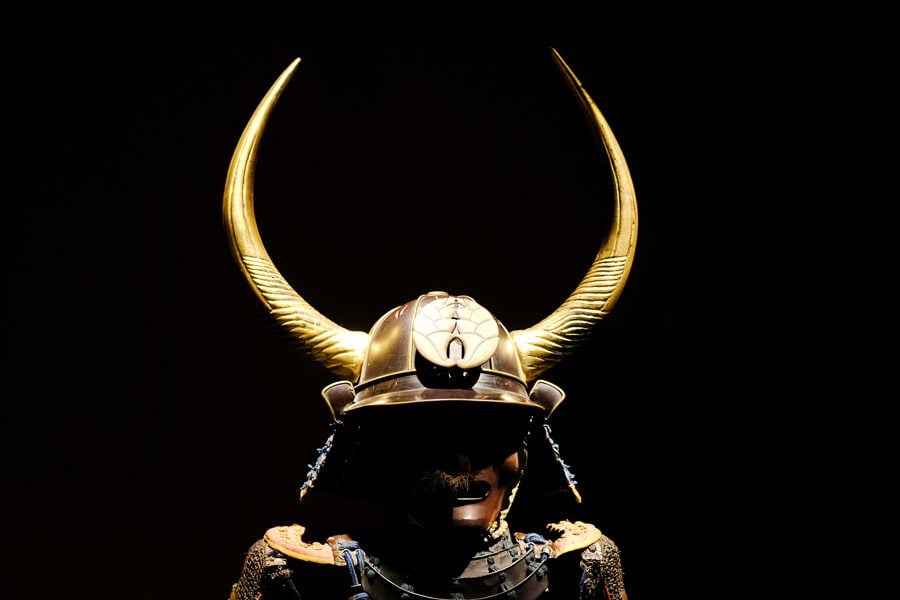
[(472, 501), (479, 515)]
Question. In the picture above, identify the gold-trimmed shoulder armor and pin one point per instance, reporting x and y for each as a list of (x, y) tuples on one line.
[(567, 536), (288, 539)]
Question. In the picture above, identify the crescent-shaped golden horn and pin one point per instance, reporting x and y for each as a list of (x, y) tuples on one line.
[(338, 349), (543, 345)]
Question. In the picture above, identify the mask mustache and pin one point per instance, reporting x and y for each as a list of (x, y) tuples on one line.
[(440, 483)]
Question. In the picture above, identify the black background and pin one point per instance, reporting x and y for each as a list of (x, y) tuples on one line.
[(156, 424)]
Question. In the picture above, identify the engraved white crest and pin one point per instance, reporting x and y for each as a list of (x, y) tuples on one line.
[(456, 331)]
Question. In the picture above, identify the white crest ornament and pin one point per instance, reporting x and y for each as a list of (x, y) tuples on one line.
[(456, 332)]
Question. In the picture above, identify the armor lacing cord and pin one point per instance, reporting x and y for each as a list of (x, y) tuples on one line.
[(355, 566), (316, 467), (567, 470), (535, 538), (540, 569)]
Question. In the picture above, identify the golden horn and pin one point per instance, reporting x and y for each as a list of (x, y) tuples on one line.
[(543, 345), (339, 349)]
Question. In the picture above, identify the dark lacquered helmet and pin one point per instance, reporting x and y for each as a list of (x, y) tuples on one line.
[(439, 348)]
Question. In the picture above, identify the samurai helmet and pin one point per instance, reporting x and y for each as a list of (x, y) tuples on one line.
[(438, 350)]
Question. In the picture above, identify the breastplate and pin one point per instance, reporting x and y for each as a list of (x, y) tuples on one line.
[(508, 569)]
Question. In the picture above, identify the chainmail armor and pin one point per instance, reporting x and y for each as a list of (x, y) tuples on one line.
[(602, 577), (247, 586), (265, 574)]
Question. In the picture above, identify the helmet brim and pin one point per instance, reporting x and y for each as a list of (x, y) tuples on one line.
[(406, 390)]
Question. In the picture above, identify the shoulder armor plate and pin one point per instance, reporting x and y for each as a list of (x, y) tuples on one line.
[(568, 536), (289, 540)]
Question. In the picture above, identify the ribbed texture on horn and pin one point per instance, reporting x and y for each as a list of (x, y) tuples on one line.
[(338, 349), (543, 345)]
